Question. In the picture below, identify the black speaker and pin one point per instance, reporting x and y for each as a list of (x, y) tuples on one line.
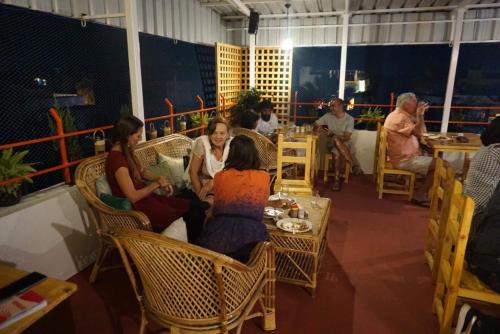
[(253, 25)]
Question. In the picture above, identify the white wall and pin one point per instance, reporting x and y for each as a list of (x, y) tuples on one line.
[(185, 20), (48, 232), (328, 32)]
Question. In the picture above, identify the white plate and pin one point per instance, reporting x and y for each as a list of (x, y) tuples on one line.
[(269, 211), (274, 197), (294, 225)]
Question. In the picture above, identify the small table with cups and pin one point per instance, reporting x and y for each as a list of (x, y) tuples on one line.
[(299, 254)]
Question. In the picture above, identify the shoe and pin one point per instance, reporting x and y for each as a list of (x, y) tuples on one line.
[(337, 186), (466, 319), (423, 203)]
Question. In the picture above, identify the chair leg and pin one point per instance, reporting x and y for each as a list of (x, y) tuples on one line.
[(144, 322), (269, 321), (325, 168), (380, 185), (347, 172), (102, 252), (412, 187)]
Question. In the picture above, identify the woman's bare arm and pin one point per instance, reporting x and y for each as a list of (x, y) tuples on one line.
[(125, 183)]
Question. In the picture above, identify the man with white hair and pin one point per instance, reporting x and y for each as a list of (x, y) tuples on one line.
[(405, 125)]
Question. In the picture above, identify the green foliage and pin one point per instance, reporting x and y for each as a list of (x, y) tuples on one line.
[(372, 115), (246, 100), (196, 122), (72, 144), (11, 166)]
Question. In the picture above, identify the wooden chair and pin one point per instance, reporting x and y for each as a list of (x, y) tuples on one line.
[(295, 186), (326, 166), (385, 168), (189, 289), (103, 217), (375, 156), (441, 191), (454, 282)]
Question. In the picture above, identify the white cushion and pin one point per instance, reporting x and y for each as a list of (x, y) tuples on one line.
[(102, 186), (176, 169), (177, 230)]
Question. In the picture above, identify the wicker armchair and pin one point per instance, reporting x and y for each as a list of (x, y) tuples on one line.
[(105, 218), (189, 289)]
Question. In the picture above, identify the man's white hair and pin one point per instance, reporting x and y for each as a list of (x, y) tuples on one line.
[(402, 98)]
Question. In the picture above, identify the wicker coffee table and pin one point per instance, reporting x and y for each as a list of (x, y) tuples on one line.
[(298, 256)]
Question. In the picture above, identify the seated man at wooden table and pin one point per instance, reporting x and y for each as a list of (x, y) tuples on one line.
[(405, 125), (338, 126)]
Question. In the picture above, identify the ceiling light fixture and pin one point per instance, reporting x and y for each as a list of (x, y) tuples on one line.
[(287, 43)]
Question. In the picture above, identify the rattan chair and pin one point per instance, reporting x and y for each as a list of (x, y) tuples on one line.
[(454, 281), (189, 289), (444, 177), (268, 152), (385, 168), (105, 218)]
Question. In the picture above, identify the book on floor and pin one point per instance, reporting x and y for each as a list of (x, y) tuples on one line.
[(20, 306)]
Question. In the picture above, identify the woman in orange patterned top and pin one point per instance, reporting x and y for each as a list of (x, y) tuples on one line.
[(241, 194)]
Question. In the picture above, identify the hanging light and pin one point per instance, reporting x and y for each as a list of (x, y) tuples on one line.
[(287, 43)]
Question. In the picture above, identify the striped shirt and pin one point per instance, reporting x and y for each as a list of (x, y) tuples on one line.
[(483, 175)]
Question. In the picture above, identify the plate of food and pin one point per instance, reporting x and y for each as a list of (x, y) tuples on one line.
[(439, 137), (271, 212), (294, 225)]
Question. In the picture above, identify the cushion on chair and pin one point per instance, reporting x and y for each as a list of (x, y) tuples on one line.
[(176, 170), (102, 186), (118, 203)]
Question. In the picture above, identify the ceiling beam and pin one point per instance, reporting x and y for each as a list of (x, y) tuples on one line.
[(241, 7)]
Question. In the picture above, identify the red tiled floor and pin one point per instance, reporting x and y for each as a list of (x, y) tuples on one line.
[(373, 277)]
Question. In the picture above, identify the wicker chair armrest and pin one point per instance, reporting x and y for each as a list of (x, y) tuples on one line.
[(263, 249), (130, 219)]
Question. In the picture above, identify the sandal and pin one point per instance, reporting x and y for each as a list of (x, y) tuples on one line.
[(337, 186), (423, 203)]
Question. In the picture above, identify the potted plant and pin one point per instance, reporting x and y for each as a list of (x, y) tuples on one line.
[(246, 100), (12, 166), (371, 117)]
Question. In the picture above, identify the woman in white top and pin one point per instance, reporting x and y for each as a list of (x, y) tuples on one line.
[(208, 157)]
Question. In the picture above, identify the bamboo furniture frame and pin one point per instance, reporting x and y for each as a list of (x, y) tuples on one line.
[(296, 186), (105, 218), (454, 282), (298, 256), (54, 291), (375, 156), (385, 168), (189, 289), (229, 72), (444, 177)]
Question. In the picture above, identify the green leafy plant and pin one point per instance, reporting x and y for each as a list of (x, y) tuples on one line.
[(72, 144), (196, 122), (12, 166), (371, 117), (246, 100)]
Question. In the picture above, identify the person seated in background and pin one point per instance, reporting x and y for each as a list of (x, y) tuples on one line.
[(241, 194), (484, 172), (268, 122), (405, 125), (208, 155), (126, 178), (337, 126), (249, 119)]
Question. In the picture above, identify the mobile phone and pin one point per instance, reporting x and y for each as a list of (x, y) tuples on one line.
[(21, 285)]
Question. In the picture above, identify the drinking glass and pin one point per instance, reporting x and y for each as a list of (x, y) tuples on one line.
[(284, 191)]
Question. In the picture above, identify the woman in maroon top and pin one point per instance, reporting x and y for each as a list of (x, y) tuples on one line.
[(126, 178)]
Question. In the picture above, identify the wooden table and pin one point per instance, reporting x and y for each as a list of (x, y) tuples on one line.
[(440, 146), (53, 290), (298, 256)]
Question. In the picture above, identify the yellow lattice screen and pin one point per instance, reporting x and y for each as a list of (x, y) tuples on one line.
[(228, 60), (273, 75)]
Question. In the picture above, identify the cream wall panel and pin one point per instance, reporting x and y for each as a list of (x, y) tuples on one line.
[(186, 20)]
